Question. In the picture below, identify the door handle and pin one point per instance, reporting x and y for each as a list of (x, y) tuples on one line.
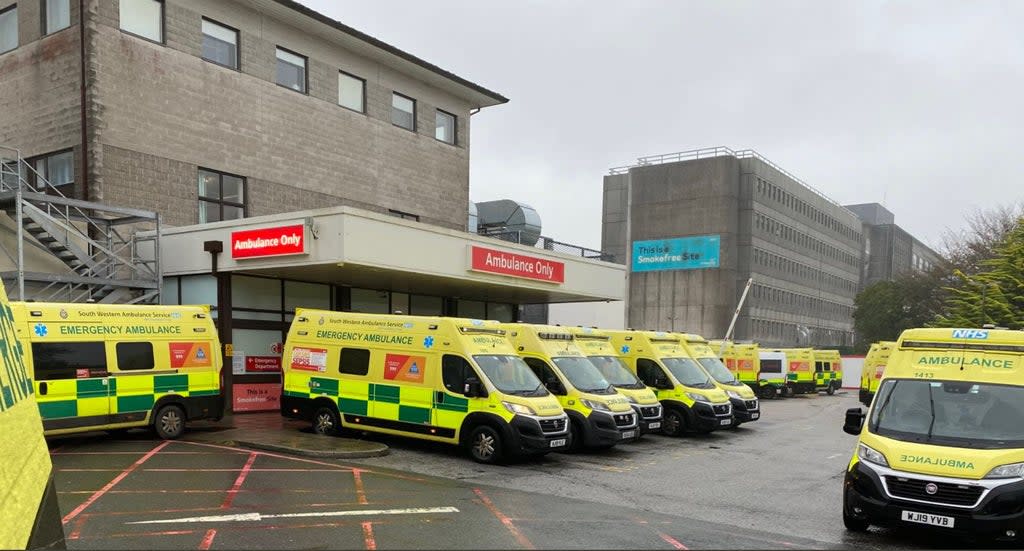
[(42, 388)]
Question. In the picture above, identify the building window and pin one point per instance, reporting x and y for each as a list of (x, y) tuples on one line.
[(403, 111), (404, 215), (143, 18), (9, 28), (56, 168), (220, 44), (221, 196), (445, 127), (351, 92), (56, 15), (291, 70)]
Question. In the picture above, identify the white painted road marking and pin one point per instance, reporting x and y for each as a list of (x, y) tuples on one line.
[(256, 517), (833, 456)]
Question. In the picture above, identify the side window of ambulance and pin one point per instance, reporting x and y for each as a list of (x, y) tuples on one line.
[(68, 360), (354, 361), (134, 356), (647, 371), (454, 372), (826, 366), (819, 366), (544, 372)]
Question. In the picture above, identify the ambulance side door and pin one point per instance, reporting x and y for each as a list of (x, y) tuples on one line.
[(134, 388), (450, 404), (72, 383)]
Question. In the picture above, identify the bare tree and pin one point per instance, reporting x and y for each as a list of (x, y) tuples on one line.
[(965, 248)]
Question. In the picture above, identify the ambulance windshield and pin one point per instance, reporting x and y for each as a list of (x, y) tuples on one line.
[(687, 372), (718, 371), (953, 413), (583, 375), (510, 375), (615, 371)]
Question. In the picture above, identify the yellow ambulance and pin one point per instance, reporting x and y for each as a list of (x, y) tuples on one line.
[(874, 367), (828, 371), (745, 406), (108, 366), (598, 348), (29, 515), (742, 359), (691, 400), (451, 380), (799, 367), (599, 415), (943, 445)]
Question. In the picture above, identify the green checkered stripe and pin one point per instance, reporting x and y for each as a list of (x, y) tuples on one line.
[(138, 393), (15, 383), (824, 376), (393, 402)]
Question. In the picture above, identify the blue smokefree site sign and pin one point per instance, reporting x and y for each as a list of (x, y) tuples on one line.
[(681, 253)]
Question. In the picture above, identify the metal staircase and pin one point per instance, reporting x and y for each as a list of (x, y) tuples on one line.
[(95, 244)]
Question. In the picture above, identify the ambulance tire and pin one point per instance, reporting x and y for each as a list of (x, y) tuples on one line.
[(766, 392), (169, 422), (325, 421), (831, 389), (485, 445), (674, 423)]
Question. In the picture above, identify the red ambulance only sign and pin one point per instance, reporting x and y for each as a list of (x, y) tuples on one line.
[(279, 241), (494, 261)]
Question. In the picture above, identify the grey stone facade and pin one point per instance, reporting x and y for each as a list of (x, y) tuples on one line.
[(890, 251), (157, 112)]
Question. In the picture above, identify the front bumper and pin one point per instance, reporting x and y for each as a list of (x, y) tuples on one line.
[(653, 417), (533, 435), (745, 410), (1000, 509), (607, 429), (707, 417)]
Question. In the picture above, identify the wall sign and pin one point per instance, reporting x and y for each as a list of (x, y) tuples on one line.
[(256, 397), (264, 242), (494, 261), (681, 253)]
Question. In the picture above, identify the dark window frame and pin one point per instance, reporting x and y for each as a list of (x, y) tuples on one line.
[(33, 178), (305, 70), (244, 205), (238, 44), (163, 25), (152, 356), (363, 81), (42, 18), (404, 215), (17, 28), (415, 109), (455, 127), (359, 373)]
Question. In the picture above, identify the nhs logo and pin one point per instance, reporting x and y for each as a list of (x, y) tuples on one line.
[(970, 334)]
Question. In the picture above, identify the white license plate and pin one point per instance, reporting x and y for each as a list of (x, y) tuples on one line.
[(925, 518), (628, 434), (654, 425), (755, 415), (725, 422), (557, 443)]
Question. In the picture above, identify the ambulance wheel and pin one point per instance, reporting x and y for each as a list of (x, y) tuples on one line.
[(831, 389), (169, 422), (766, 392), (325, 421), (485, 445), (674, 422)]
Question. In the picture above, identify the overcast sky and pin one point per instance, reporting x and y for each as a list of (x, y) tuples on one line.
[(916, 105)]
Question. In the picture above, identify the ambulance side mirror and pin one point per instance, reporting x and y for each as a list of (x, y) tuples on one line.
[(556, 388), (473, 388), (661, 382), (854, 421)]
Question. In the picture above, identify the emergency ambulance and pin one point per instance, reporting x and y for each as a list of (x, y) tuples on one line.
[(745, 407), (29, 515), (799, 377), (110, 367), (598, 348), (874, 367), (742, 359), (691, 400), (943, 445), (828, 371), (772, 373), (599, 415), (451, 380)]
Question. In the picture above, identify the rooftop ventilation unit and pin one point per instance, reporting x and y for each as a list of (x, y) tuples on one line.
[(508, 220)]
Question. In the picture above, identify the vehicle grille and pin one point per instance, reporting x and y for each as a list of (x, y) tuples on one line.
[(553, 425), (750, 404), (650, 411), (951, 494), (722, 409), (624, 420)]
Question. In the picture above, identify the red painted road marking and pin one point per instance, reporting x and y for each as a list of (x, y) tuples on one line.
[(76, 531), (208, 539), (672, 541), (504, 520), (371, 543), (357, 476), (78, 510), (228, 499), (54, 452), (163, 470)]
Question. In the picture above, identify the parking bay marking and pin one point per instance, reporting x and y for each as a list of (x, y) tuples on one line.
[(256, 517)]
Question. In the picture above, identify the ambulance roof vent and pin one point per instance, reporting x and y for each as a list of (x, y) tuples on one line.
[(509, 220)]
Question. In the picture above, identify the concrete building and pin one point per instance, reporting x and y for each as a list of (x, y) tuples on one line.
[(889, 250), (693, 227), (253, 155)]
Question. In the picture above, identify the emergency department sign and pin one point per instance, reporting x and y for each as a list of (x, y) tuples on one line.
[(681, 253), (277, 241)]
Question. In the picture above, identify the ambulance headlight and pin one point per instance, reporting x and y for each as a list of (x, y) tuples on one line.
[(734, 394), (1013, 470), (593, 404), (697, 397), (518, 408), (871, 455)]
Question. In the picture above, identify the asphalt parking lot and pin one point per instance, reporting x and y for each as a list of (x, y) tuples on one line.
[(772, 485)]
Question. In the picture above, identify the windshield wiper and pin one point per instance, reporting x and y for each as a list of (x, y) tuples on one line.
[(931, 402)]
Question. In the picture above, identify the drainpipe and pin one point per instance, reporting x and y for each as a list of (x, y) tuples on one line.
[(215, 247), (82, 94)]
